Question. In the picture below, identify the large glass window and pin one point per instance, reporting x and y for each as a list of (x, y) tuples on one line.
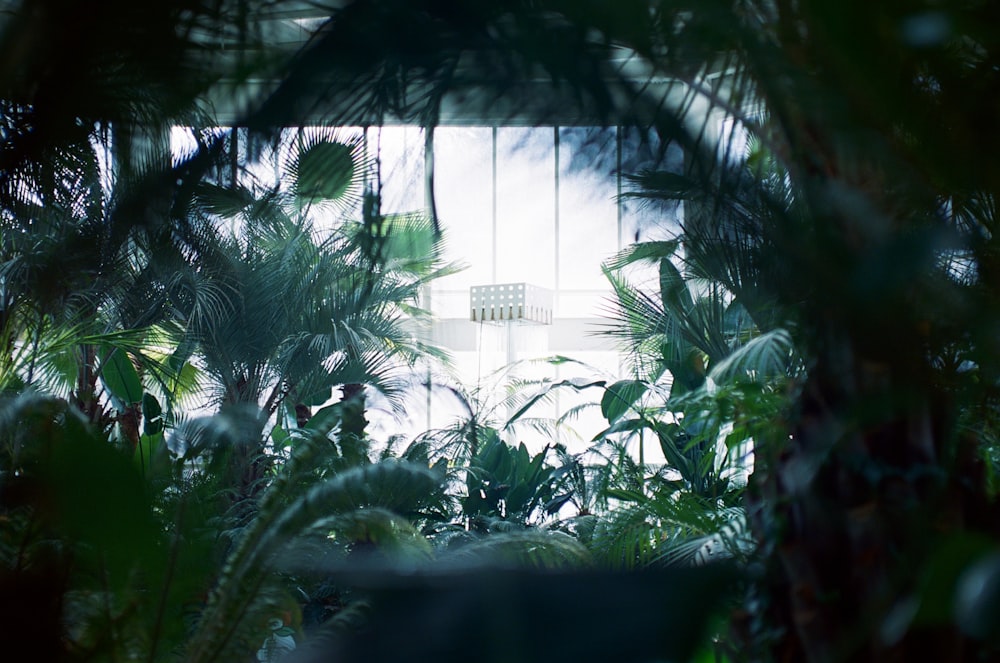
[(588, 217), (540, 205), (399, 155), (463, 180), (526, 205)]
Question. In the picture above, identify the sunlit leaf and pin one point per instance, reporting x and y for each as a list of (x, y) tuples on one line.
[(120, 377)]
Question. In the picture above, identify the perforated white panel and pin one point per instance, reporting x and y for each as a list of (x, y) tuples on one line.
[(511, 302)]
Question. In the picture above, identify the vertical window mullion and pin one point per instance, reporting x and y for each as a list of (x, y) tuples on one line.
[(618, 183), (555, 173), (556, 291), (493, 273)]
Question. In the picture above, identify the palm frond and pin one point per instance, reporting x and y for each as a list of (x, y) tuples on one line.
[(531, 548), (325, 167), (391, 487), (668, 528), (395, 538), (764, 357)]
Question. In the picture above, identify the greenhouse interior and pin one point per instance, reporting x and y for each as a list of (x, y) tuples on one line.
[(499, 330)]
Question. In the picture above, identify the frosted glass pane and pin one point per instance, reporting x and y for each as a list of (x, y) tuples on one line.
[(526, 205), (401, 152), (582, 304), (463, 192), (645, 220), (447, 406), (588, 215), (450, 303), (260, 159)]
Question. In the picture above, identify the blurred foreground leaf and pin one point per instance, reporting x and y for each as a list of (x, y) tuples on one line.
[(495, 616)]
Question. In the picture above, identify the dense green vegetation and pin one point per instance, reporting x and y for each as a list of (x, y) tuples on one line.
[(830, 300)]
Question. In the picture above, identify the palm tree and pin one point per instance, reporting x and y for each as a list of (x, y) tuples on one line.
[(282, 303), (320, 297), (79, 316)]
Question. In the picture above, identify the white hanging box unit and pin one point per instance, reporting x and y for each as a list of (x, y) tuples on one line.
[(511, 302)]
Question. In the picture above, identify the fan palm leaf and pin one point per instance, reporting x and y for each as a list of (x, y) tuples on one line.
[(390, 487), (530, 548)]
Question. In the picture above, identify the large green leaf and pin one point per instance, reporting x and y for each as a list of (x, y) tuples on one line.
[(149, 453), (766, 356), (673, 440), (620, 397), (279, 436), (326, 419), (152, 415), (120, 378), (674, 289), (96, 495)]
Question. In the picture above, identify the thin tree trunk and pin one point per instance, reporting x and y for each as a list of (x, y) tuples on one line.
[(353, 422)]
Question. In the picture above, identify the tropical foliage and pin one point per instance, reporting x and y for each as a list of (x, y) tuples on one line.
[(828, 305)]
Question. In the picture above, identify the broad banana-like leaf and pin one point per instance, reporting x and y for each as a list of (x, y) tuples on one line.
[(620, 397), (120, 378), (152, 415), (766, 356)]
